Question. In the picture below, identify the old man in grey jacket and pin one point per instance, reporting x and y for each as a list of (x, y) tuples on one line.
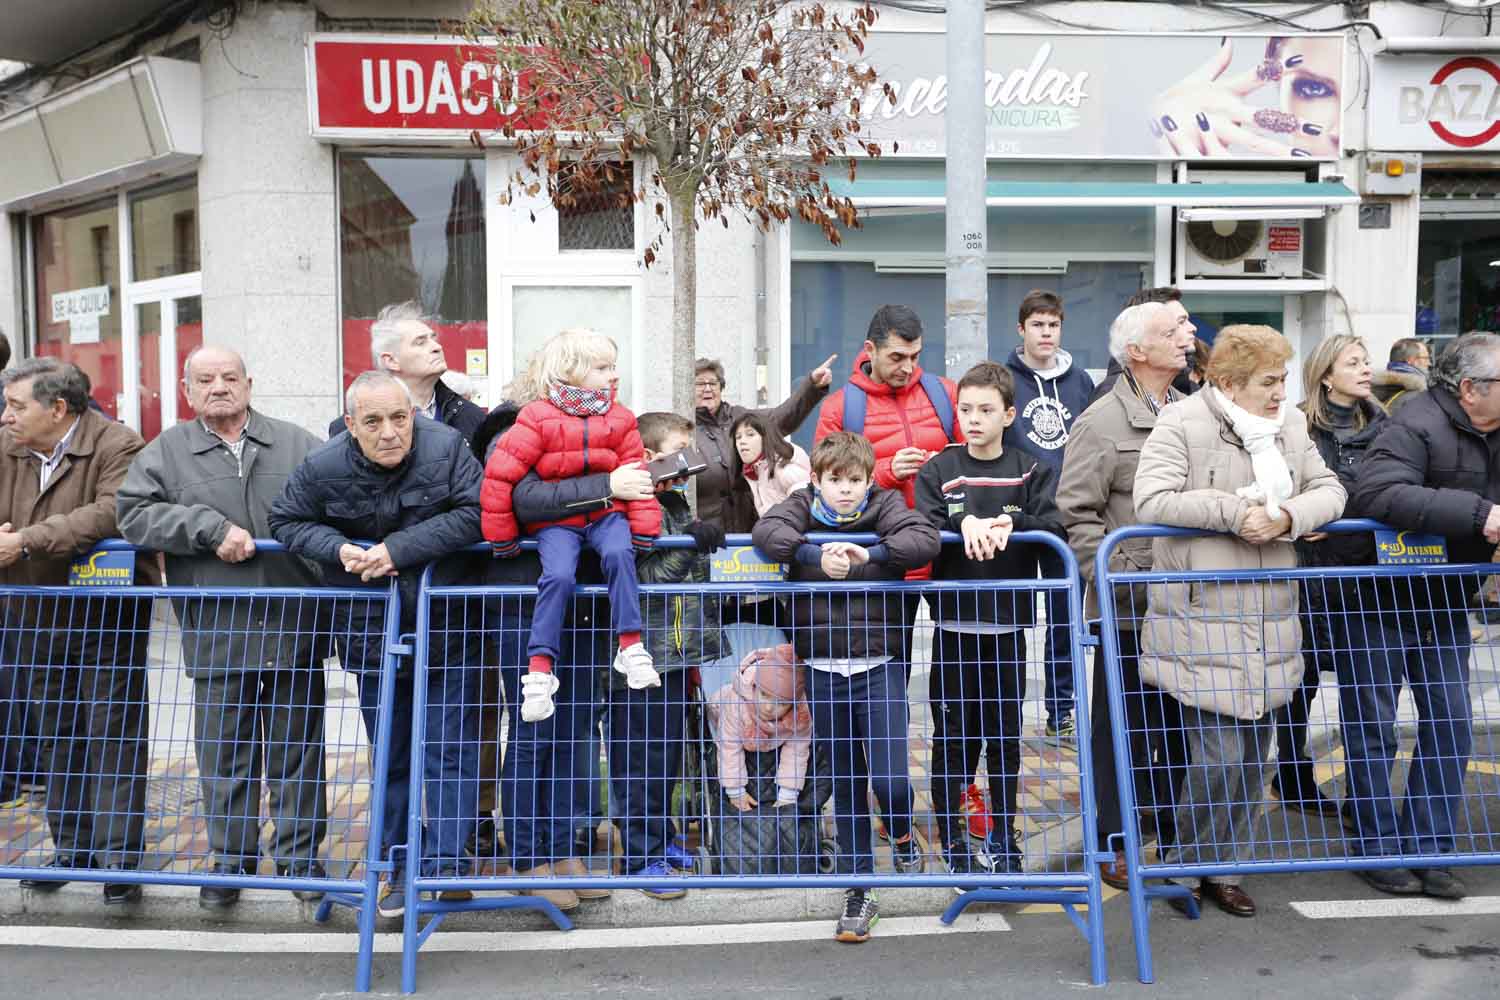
[(201, 493)]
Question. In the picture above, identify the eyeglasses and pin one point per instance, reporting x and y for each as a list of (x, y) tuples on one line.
[(714, 384)]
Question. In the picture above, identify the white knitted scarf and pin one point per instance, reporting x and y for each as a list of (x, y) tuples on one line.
[(1273, 479)]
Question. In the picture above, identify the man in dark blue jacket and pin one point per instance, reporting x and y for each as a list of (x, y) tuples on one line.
[(405, 345), (411, 486), (1435, 469)]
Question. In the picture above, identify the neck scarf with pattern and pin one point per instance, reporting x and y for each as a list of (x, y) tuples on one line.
[(577, 401)]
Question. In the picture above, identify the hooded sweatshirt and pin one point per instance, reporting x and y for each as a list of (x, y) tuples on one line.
[(1047, 403), (740, 728)]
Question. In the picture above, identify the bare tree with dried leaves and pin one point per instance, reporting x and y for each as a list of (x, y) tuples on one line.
[(735, 107)]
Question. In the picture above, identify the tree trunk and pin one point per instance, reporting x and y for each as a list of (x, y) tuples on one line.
[(684, 298)]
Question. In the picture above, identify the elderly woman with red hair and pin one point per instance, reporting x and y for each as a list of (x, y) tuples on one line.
[(1237, 461)]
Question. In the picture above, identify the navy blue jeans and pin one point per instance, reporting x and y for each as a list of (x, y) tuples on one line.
[(20, 747), (1432, 658), (862, 720), (558, 547), (450, 750), (1058, 654), (537, 777), (646, 733)]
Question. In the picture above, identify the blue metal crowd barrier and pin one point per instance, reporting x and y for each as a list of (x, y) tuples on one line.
[(124, 711), (656, 811), (1175, 642)]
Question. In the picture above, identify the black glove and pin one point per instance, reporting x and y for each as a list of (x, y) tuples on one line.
[(709, 536)]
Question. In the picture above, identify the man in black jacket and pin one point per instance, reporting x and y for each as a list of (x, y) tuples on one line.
[(403, 344), (1434, 469), (412, 486)]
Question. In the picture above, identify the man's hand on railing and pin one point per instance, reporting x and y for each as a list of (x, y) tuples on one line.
[(10, 544), (237, 546), (368, 564)]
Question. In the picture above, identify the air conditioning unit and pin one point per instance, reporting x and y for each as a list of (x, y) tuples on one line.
[(1251, 243), (1241, 248)]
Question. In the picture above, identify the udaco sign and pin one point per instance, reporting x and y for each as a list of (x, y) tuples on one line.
[(401, 88), (1439, 103)]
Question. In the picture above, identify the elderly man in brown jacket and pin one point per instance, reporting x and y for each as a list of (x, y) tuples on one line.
[(1094, 497), (60, 466)]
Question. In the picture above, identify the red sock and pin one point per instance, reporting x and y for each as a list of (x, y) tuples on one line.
[(628, 639), (540, 665)]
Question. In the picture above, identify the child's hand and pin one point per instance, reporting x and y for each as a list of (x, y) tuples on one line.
[(785, 805), (857, 555), (744, 803), (1000, 529), (835, 562), (978, 543)]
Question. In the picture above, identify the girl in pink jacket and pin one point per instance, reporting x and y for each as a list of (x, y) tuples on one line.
[(771, 465), (764, 708)]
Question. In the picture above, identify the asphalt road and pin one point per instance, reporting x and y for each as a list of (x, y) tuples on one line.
[(1281, 952)]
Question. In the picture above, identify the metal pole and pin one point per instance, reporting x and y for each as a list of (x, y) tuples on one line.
[(965, 120)]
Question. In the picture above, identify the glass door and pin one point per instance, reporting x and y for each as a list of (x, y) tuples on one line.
[(164, 324)]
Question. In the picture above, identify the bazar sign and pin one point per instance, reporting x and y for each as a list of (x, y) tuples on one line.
[(1435, 103), (421, 86), (1106, 95)]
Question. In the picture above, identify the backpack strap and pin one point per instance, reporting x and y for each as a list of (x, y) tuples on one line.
[(937, 395), (855, 403)]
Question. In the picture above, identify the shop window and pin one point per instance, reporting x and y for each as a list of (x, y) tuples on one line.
[(78, 300), (601, 217), (1458, 277), (413, 228), (164, 231), (538, 312)]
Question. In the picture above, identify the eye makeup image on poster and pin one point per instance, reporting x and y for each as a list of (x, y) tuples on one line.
[(1255, 96)]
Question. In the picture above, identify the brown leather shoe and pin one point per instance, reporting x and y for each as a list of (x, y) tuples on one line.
[(1115, 874), (1230, 898), (575, 868), (563, 899)]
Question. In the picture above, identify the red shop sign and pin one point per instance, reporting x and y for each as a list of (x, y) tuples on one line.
[(391, 87)]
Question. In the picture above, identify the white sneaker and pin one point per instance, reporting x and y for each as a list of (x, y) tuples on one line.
[(536, 696), (635, 663)]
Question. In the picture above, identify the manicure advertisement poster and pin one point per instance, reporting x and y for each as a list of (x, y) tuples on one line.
[(1118, 96)]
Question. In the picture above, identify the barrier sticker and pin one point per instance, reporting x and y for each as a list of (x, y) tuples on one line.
[(103, 569), (744, 564), (1407, 548)]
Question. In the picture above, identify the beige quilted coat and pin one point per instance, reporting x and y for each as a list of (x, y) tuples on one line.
[(1224, 647)]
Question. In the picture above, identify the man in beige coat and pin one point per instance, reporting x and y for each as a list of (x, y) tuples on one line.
[(1235, 460), (61, 465), (1095, 497)]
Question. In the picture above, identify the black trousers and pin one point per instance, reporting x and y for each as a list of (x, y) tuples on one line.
[(1158, 746), (976, 687)]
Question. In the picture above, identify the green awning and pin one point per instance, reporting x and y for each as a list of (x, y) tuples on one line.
[(1082, 194)]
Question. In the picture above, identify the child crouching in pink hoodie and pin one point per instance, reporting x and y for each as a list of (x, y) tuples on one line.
[(763, 709)]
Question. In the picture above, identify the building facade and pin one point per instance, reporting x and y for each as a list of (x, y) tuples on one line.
[(269, 176)]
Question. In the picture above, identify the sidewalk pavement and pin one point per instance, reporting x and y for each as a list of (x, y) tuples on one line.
[(1051, 831)]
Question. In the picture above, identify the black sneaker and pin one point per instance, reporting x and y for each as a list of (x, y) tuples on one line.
[(1441, 883), (121, 893), (859, 916), (1395, 881), (907, 856), (1006, 856), (1062, 731), (964, 860), (482, 843), (300, 870)]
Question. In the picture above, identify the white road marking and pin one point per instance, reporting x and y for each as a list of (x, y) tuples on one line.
[(604, 937), (1349, 909)]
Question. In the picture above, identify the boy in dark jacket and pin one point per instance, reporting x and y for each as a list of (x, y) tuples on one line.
[(851, 640), (977, 684), (646, 725), (1050, 394)]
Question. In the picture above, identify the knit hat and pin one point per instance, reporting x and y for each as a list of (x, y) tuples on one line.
[(776, 672)]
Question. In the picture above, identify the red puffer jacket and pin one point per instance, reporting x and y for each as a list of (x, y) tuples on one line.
[(894, 419), (560, 446)]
